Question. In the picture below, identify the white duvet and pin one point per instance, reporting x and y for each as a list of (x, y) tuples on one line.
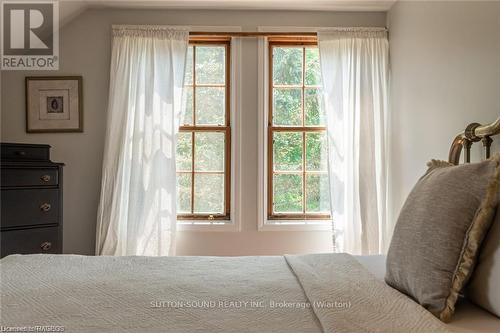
[(309, 293)]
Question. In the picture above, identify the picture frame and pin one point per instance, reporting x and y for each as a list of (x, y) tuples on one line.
[(54, 104)]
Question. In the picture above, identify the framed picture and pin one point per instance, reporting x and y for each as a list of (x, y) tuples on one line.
[(54, 104)]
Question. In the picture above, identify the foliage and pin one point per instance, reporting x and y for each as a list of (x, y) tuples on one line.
[(318, 193), (316, 151), (287, 66), (210, 97), (210, 106), (183, 155), (287, 193), (287, 106), (210, 64), (183, 193), (209, 193), (312, 101), (209, 151), (290, 83), (295, 83), (313, 74), (209, 72), (287, 151)]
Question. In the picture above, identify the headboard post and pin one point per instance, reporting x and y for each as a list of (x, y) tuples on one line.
[(487, 141), (467, 145)]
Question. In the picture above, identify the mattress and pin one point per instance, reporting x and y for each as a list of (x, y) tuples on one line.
[(468, 317), (302, 293)]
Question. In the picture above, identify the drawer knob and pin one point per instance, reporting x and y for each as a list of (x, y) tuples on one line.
[(45, 246), (20, 153), (45, 178), (45, 207)]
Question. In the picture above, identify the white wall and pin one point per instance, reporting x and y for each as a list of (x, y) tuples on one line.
[(85, 50), (445, 74)]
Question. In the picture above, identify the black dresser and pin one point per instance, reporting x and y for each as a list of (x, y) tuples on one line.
[(31, 200)]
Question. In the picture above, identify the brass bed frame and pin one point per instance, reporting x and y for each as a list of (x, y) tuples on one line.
[(473, 133)]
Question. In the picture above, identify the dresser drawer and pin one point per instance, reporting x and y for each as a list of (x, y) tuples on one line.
[(25, 152), (23, 207), (29, 177), (36, 240)]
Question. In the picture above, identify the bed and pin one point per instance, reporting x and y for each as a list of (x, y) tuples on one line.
[(331, 292), (182, 294)]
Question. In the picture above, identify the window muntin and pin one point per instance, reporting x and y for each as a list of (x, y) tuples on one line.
[(298, 185), (203, 158)]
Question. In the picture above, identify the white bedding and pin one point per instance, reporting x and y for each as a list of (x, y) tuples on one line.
[(175, 294), (468, 317)]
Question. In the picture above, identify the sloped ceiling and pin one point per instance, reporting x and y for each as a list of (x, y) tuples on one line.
[(69, 9)]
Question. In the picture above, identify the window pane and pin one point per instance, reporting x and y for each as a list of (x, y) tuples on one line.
[(317, 194), (287, 193), (287, 106), (183, 155), (287, 151), (287, 65), (209, 151), (209, 193), (188, 75), (316, 151), (210, 64), (313, 110), (313, 75), (210, 105), (183, 193), (187, 106)]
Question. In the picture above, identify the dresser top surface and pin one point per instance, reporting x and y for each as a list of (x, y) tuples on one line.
[(27, 145), (29, 164)]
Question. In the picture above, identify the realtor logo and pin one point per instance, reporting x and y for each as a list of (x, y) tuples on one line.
[(30, 35)]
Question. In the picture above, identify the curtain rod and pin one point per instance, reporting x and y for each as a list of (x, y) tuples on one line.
[(251, 34), (280, 33)]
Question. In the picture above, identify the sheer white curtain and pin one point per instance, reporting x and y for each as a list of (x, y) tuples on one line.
[(355, 74), (137, 211)]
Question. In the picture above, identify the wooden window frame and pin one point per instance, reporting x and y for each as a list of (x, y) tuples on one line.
[(271, 129), (226, 129)]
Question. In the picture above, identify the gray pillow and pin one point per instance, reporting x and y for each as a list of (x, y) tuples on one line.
[(439, 231), (484, 287)]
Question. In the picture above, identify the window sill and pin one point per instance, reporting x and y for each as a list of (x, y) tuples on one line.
[(197, 225), (296, 225)]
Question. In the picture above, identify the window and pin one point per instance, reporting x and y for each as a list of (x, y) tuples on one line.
[(204, 142), (298, 187)]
